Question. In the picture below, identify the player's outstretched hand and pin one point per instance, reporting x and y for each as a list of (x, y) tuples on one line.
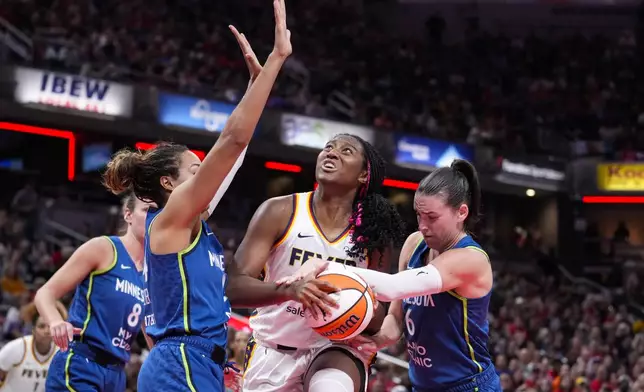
[(62, 333), (314, 296), (309, 270), (371, 344), (364, 343), (253, 65), (388, 335), (233, 379), (282, 46)]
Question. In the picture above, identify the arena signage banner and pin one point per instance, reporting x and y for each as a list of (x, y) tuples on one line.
[(531, 170), (422, 153), (35, 86), (192, 112), (623, 177), (314, 133)]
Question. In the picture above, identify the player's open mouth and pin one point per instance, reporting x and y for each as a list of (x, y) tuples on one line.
[(328, 165)]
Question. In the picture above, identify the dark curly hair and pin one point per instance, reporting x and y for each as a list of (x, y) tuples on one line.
[(140, 171), (376, 222)]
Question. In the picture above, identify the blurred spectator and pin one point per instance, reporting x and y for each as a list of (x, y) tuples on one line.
[(13, 286), (621, 233)]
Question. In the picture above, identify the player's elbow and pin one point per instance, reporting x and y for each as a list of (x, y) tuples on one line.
[(234, 288), (389, 296), (41, 298), (234, 136)]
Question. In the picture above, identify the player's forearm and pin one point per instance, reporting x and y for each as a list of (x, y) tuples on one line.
[(244, 291), (46, 305), (391, 328), (404, 284)]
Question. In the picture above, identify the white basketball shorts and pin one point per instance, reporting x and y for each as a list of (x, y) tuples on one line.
[(271, 369)]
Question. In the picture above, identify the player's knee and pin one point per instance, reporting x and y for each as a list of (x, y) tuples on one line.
[(326, 380), (335, 362)]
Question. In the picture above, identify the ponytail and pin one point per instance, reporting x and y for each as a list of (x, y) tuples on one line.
[(122, 170), (140, 172), (474, 190)]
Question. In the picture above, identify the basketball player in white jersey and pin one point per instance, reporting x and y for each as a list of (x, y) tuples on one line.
[(24, 362), (344, 220)]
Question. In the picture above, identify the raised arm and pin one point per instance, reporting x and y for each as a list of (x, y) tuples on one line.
[(96, 254), (191, 198), (270, 221)]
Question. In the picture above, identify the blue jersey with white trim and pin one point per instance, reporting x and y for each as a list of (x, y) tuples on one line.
[(446, 334), (108, 305), (187, 289)]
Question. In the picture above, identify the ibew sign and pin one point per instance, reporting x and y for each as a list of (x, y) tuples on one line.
[(72, 92)]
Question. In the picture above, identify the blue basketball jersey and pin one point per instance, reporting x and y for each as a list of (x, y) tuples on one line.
[(187, 289), (446, 333), (108, 305)]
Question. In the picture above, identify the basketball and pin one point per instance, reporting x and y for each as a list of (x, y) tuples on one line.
[(356, 302)]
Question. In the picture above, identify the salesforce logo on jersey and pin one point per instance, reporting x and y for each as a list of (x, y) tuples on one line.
[(314, 133), (191, 112), (72, 92), (421, 153)]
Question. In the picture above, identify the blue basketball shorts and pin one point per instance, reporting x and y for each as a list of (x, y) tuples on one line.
[(181, 364), (486, 381), (79, 369)]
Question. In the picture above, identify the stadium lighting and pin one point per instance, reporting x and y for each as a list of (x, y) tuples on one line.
[(292, 168), (49, 132), (285, 167), (613, 199), (400, 184)]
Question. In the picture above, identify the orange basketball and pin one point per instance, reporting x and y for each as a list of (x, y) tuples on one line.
[(356, 302)]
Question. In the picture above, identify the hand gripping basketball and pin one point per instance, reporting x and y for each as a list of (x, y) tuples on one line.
[(313, 294), (355, 311)]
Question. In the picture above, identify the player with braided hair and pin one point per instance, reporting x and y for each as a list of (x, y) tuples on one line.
[(441, 295), (376, 223), (344, 220)]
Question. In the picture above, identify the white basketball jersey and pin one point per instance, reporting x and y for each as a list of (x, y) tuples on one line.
[(26, 368), (303, 239)]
